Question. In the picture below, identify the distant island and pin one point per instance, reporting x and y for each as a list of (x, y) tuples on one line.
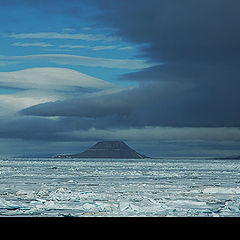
[(107, 149)]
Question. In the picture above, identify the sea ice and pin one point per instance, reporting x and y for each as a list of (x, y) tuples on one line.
[(153, 187)]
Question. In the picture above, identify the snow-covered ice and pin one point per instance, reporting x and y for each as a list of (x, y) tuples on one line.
[(109, 187)]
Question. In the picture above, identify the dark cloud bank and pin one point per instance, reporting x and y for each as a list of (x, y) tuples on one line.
[(196, 83)]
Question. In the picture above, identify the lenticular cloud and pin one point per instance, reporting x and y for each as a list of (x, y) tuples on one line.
[(50, 78)]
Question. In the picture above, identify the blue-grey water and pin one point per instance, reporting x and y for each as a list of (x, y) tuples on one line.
[(148, 187)]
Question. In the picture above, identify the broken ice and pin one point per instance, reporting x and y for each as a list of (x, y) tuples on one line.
[(151, 187)]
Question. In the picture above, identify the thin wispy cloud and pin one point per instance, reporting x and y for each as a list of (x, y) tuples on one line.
[(70, 46), (98, 48), (76, 60), (5, 63), (69, 29), (73, 46), (38, 44), (56, 35), (94, 48)]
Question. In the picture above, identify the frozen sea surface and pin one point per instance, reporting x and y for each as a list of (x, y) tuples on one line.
[(147, 187)]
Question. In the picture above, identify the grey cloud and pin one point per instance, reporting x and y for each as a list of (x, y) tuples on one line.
[(198, 45), (178, 30), (157, 104), (70, 8), (120, 104), (41, 129), (67, 129)]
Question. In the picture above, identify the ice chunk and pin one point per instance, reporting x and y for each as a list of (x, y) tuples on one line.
[(50, 205), (88, 206), (128, 206), (61, 194), (152, 201), (23, 194), (103, 206), (135, 208), (123, 205), (3, 203), (222, 190), (12, 208), (233, 206)]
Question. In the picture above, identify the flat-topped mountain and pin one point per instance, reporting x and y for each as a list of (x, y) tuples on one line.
[(107, 149)]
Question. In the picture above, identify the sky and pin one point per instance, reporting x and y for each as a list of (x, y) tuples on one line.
[(163, 76)]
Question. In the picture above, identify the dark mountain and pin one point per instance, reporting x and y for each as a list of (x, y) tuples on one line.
[(107, 149)]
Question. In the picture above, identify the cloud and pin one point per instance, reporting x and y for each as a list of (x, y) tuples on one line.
[(39, 85), (197, 44), (99, 48), (73, 46), (38, 44), (94, 106), (12, 103), (69, 29), (51, 78), (159, 134), (196, 31), (126, 48), (94, 48), (76, 60), (56, 35), (5, 63), (166, 104), (86, 129)]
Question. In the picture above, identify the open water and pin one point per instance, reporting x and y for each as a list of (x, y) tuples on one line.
[(108, 187)]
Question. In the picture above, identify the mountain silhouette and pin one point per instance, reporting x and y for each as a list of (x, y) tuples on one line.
[(107, 149)]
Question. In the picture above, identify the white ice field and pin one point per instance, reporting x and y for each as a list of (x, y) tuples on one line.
[(102, 188)]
